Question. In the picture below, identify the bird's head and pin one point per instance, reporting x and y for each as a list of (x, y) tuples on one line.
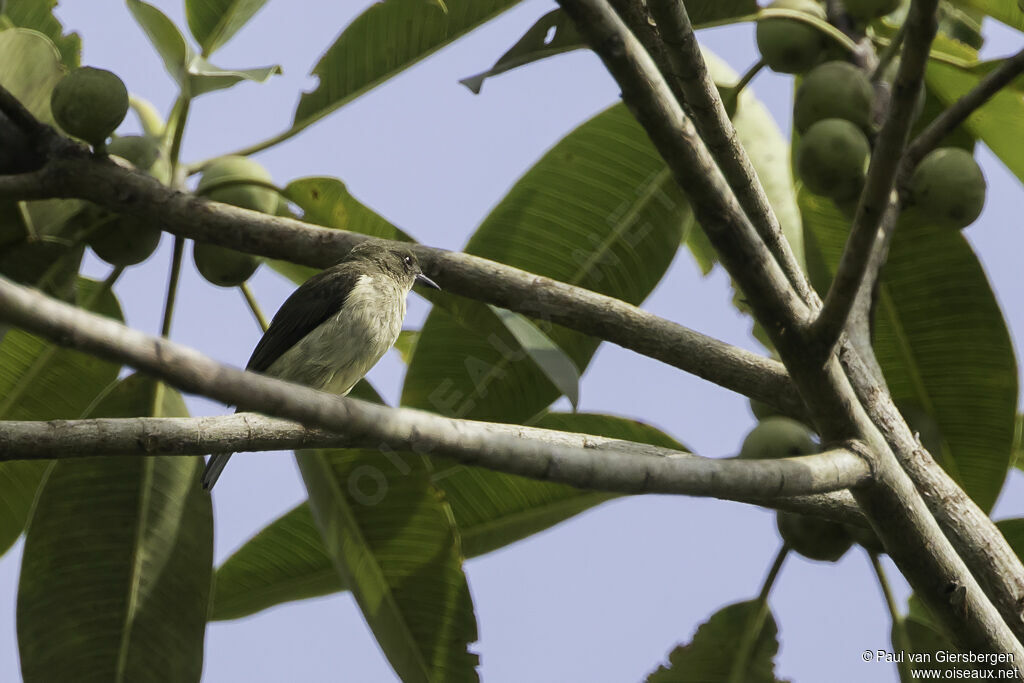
[(395, 260)]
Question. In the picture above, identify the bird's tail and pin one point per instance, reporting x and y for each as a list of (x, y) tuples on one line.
[(213, 469)]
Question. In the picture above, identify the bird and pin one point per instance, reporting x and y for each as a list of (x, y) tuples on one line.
[(336, 325)]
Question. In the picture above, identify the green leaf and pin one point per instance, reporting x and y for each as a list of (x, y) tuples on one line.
[(709, 656), (382, 41), (40, 381), (115, 577), (600, 210), (391, 537), (555, 364), (38, 15), (29, 68), (406, 344), (166, 38), (194, 75), (205, 77), (1018, 442), (214, 22), (921, 648), (1007, 11), (999, 122), (287, 561), (1013, 532), (940, 339), (553, 34)]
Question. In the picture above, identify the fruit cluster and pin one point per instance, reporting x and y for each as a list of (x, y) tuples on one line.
[(90, 104), (833, 113)]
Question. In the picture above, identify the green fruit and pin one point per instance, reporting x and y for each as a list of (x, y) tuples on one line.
[(866, 538), (791, 46), (214, 184), (777, 437), (762, 410), (89, 104), (866, 10), (812, 537), (146, 154), (948, 187), (120, 240), (222, 266), (834, 90), (832, 159)]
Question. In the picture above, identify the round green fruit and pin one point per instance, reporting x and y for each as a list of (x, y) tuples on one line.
[(832, 159), (865, 537), (224, 181), (145, 152), (791, 46), (777, 437), (812, 537), (948, 187), (761, 410), (222, 266), (834, 90), (120, 240), (866, 10), (89, 104)]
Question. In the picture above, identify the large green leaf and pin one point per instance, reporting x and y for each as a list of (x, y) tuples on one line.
[(392, 540), (40, 381), (999, 122), (115, 578), (38, 15), (287, 561), (940, 339), (709, 656), (382, 41), (600, 210), (214, 22)]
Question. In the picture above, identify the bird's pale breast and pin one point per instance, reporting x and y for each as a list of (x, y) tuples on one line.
[(338, 353)]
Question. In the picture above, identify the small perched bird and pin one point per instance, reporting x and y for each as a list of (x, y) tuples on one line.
[(336, 325)]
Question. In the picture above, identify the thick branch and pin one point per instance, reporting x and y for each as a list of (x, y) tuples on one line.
[(947, 121), (881, 177), (993, 561), (584, 460), (76, 175), (648, 96), (636, 469), (712, 121)]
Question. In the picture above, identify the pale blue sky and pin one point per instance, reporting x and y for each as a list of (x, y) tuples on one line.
[(605, 596)]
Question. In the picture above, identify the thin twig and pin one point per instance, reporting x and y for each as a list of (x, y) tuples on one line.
[(755, 623), (254, 306), (172, 285), (881, 177), (960, 111), (900, 642)]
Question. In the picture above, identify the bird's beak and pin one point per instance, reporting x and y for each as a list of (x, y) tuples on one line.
[(424, 280)]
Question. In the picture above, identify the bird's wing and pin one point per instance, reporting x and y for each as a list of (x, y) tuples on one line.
[(316, 300)]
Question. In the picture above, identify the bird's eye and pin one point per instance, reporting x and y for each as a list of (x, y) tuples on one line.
[(408, 261)]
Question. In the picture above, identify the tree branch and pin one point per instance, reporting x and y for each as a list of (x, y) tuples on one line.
[(76, 175), (716, 208), (960, 111), (580, 460), (897, 512), (712, 121), (878, 188)]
